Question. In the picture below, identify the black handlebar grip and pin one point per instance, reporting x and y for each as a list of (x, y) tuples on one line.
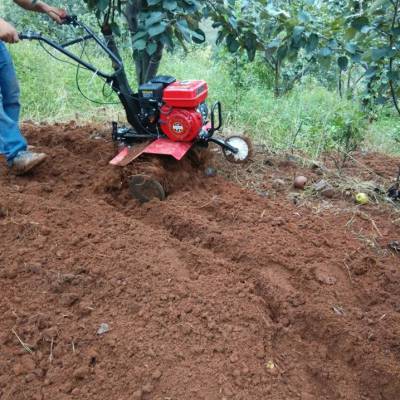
[(70, 20), (29, 35)]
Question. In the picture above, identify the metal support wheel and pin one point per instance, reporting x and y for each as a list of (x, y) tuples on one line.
[(243, 147)]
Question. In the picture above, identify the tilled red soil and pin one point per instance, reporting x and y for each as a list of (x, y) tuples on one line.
[(215, 293)]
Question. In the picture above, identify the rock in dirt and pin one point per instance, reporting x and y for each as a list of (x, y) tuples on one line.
[(329, 193), (81, 373), (325, 279), (395, 246), (138, 395), (324, 188), (210, 172), (318, 168), (300, 182), (148, 388), (69, 299), (278, 184), (320, 185), (3, 212), (157, 374), (85, 309), (30, 378), (103, 328)]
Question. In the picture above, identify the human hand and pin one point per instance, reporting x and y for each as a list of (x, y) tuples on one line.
[(7, 32), (56, 14)]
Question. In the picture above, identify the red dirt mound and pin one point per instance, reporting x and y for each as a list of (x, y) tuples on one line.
[(215, 293)]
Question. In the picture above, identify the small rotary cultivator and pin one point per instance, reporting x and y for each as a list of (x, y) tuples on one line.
[(167, 117)]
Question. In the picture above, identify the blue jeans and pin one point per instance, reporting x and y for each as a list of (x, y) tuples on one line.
[(11, 139)]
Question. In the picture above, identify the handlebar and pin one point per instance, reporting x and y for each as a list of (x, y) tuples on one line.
[(70, 20), (73, 21)]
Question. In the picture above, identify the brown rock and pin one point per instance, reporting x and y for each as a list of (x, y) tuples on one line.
[(69, 299), (67, 388), (138, 395), (18, 369), (228, 392), (236, 372), (157, 374), (324, 188), (278, 184), (187, 329), (81, 373), (320, 185), (3, 381), (85, 309), (148, 388), (300, 182), (29, 378), (329, 192)]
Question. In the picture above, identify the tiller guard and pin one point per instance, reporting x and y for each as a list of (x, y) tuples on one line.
[(162, 146)]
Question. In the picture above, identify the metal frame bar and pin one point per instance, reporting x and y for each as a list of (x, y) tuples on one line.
[(62, 48), (75, 41)]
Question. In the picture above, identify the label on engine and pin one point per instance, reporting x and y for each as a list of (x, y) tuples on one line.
[(177, 127), (147, 94)]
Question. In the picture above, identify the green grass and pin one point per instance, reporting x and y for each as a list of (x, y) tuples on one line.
[(304, 119)]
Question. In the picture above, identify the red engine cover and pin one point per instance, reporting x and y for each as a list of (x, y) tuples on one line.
[(180, 124), (185, 94)]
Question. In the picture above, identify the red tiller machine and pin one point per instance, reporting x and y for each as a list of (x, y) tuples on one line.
[(167, 117)]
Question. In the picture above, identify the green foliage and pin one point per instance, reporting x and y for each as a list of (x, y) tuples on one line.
[(156, 21), (367, 35), (282, 33), (348, 133)]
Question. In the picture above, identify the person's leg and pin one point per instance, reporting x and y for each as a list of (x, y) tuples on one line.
[(11, 140), (10, 89)]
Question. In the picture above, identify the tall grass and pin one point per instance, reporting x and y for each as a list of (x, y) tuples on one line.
[(303, 119)]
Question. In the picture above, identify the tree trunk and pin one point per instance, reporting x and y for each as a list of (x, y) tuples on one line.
[(154, 62), (146, 66), (349, 91), (121, 85), (290, 85), (111, 44), (391, 43), (340, 83), (277, 91)]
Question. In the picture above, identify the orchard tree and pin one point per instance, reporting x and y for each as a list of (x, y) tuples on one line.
[(367, 39), (286, 34), (375, 32), (282, 32), (154, 26)]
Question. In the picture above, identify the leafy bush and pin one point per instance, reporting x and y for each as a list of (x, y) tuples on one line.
[(348, 133)]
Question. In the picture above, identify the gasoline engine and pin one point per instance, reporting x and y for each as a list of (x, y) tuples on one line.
[(176, 108)]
